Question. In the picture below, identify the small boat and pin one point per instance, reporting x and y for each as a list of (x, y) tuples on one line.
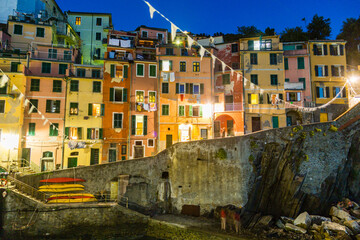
[(62, 180), (72, 198), (72, 195), (74, 189), (55, 186)]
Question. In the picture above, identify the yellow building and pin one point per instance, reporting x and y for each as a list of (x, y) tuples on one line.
[(328, 74), (83, 117), (261, 62), (11, 109)]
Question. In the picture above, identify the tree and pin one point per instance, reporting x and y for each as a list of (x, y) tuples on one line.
[(319, 28), (293, 35), (269, 31), (351, 33), (249, 31)]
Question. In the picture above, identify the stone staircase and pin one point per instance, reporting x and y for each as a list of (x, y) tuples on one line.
[(26, 190)]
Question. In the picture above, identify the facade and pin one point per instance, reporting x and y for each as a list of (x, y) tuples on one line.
[(185, 95), (262, 65), (297, 82), (228, 103), (93, 29), (328, 74)]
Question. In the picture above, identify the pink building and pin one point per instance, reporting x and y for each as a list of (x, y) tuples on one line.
[(5, 38), (297, 81)]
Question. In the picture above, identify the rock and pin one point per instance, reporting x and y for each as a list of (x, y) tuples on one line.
[(333, 227), (316, 219), (316, 227), (353, 226), (303, 220), (292, 228), (355, 213), (280, 224), (287, 220), (335, 219), (342, 236), (264, 221), (254, 220), (316, 235), (357, 237), (341, 214)]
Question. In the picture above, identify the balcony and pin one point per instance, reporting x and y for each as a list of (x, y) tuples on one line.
[(228, 107), (121, 43), (293, 86), (43, 55), (296, 52), (85, 73), (119, 55)]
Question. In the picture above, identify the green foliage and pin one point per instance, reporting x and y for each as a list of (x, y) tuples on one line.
[(318, 130), (311, 133), (293, 35), (306, 157), (291, 134), (253, 145), (221, 153), (324, 134), (351, 32), (333, 128), (249, 31), (251, 158), (319, 28), (269, 31), (297, 128), (303, 135)]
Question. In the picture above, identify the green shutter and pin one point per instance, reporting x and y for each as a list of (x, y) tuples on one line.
[(286, 63), (111, 94), (190, 111), (112, 70), (191, 88), (171, 65), (90, 109), (187, 88), (79, 129), (250, 45), (67, 132), (100, 133), (124, 95), (301, 63), (200, 109), (201, 88), (102, 113), (126, 71), (145, 126), (275, 121), (133, 123), (31, 129), (177, 88), (88, 133), (160, 65)]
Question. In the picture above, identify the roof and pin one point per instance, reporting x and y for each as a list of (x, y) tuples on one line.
[(153, 28), (87, 13), (290, 43), (336, 40)]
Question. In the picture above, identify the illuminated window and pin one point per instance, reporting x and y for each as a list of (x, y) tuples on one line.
[(96, 109), (337, 71), (152, 97), (165, 65), (253, 98), (293, 96), (53, 106), (78, 21), (94, 133), (139, 125), (73, 133), (182, 66), (196, 66), (74, 108), (140, 96)]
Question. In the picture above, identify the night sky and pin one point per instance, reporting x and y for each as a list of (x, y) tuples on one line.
[(219, 16)]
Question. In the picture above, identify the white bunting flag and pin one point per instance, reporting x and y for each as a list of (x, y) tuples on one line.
[(3, 80), (190, 41), (31, 109), (238, 76), (223, 66), (202, 52), (232, 72), (14, 88), (173, 31), (45, 122), (42, 117), (151, 9), (21, 96), (39, 112), (26, 102), (214, 60)]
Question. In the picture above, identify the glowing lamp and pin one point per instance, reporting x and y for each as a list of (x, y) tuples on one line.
[(10, 141)]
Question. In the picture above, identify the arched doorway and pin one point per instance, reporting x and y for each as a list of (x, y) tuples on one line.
[(224, 126), (293, 118)]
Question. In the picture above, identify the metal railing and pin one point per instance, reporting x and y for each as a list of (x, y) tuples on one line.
[(26, 189)]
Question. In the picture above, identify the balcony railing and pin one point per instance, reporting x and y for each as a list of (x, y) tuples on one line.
[(296, 52), (294, 86), (42, 55), (121, 43), (86, 73)]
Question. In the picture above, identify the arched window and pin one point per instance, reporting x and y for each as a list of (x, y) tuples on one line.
[(48, 154)]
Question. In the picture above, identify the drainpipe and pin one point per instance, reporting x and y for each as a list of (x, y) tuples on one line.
[(63, 139), (212, 78), (311, 87), (129, 127), (243, 97), (158, 107)]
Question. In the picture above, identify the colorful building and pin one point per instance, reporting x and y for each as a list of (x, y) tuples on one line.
[(262, 65), (328, 74), (93, 29)]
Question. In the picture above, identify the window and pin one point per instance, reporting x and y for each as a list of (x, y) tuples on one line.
[(229, 103), (301, 63), (169, 52), (321, 71), (151, 143), (196, 66), (62, 68), (181, 111), (165, 110), (74, 85), (35, 103), (35, 85), (117, 120), (31, 129), (204, 133), (98, 21), (184, 52), (196, 111), (234, 47), (320, 49), (182, 66), (2, 106), (152, 70), (14, 67), (53, 130), (57, 86), (94, 133), (322, 92), (287, 80), (74, 108), (336, 91), (253, 98), (180, 88), (73, 132), (303, 80), (257, 45), (254, 79), (273, 59), (95, 73), (78, 21), (139, 125), (253, 59), (196, 88), (235, 65), (286, 63), (166, 65), (78, 33), (144, 34), (18, 29), (118, 94), (123, 150), (139, 96), (67, 55), (80, 72), (40, 32), (164, 87), (98, 36), (3, 90), (52, 53), (96, 86), (152, 97), (337, 71), (336, 49), (226, 79), (94, 157), (112, 153), (96, 109), (139, 70), (53, 106), (293, 96), (274, 80), (160, 36), (46, 67)]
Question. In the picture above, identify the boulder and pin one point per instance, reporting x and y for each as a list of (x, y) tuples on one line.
[(316, 219), (316, 227), (280, 224), (341, 214), (353, 226), (264, 221), (333, 227), (254, 220), (292, 228), (335, 219), (342, 236), (303, 220), (287, 220), (355, 213)]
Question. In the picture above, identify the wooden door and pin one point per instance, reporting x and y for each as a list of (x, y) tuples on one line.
[(323, 117), (72, 162), (168, 140), (25, 157), (255, 123), (94, 158), (139, 151), (275, 122), (217, 129)]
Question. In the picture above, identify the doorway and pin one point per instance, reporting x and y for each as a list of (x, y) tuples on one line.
[(168, 140), (230, 128), (47, 161), (323, 117), (138, 149), (217, 129), (255, 123)]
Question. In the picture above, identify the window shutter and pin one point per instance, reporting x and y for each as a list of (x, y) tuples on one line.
[(171, 65), (316, 70), (177, 88), (48, 105), (287, 96), (249, 98), (88, 133), (317, 92), (332, 70), (331, 47), (281, 96), (325, 49), (124, 95), (344, 92), (100, 133), (326, 71), (126, 71), (112, 70), (90, 109), (286, 62), (102, 113), (67, 132), (342, 69), (299, 96), (334, 91), (187, 88), (315, 50), (191, 88), (79, 132), (133, 123), (111, 94), (160, 65), (200, 109), (145, 126), (250, 45), (201, 88), (190, 111), (327, 92), (341, 50)]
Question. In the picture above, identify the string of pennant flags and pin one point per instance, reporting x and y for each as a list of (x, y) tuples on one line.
[(203, 50)]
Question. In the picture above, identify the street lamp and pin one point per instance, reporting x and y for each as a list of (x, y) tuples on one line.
[(10, 141)]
